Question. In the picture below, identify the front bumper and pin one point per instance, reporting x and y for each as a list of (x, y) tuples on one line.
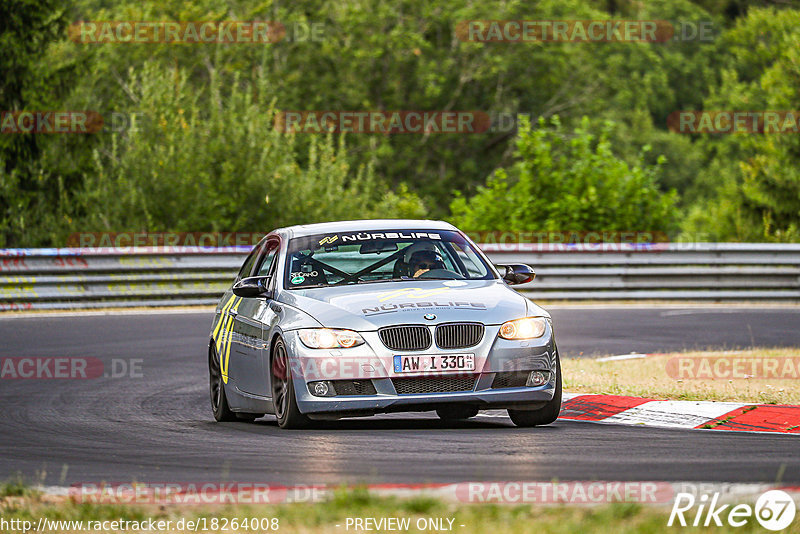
[(350, 406), (373, 362)]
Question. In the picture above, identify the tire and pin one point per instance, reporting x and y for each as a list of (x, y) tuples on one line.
[(216, 388), (456, 413), (283, 397), (545, 415)]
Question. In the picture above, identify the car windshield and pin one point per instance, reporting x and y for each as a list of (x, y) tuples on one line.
[(380, 256)]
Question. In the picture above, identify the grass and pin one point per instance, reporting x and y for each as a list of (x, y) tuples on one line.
[(16, 487), (331, 516), (655, 377)]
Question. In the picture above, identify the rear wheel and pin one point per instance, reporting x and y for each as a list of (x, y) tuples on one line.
[(283, 397), (545, 415), (219, 403), (456, 413)]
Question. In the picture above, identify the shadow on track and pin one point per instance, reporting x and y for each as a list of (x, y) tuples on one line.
[(376, 424)]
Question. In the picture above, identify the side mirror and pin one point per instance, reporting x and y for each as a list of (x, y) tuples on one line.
[(518, 273), (252, 287)]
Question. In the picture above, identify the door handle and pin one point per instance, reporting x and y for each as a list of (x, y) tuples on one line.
[(233, 313)]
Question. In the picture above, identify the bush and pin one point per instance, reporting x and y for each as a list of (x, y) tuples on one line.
[(568, 181), (214, 162)]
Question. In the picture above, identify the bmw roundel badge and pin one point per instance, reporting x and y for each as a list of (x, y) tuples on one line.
[(429, 316)]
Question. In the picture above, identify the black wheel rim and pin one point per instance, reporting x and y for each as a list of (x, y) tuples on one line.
[(215, 380), (280, 381)]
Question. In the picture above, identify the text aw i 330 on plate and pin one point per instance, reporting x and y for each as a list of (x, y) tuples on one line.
[(356, 318)]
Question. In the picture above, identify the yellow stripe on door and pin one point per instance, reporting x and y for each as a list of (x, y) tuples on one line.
[(229, 334), (223, 312)]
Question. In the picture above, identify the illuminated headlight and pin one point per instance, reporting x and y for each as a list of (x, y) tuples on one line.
[(525, 328), (327, 338)]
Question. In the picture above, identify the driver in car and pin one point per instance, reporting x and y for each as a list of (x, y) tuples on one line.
[(423, 261)]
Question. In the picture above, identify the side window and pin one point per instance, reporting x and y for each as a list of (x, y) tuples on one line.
[(268, 259), (247, 267)]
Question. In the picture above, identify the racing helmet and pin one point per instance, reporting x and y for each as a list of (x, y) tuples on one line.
[(426, 259)]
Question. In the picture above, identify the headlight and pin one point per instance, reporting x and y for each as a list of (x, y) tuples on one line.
[(525, 328), (328, 338)]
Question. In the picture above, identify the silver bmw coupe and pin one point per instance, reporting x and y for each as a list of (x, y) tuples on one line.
[(356, 318)]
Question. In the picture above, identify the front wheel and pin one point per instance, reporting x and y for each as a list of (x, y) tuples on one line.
[(219, 402), (283, 397), (545, 415)]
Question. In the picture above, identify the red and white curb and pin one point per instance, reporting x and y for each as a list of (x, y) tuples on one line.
[(731, 416)]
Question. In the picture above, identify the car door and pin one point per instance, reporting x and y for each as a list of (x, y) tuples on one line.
[(248, 331)]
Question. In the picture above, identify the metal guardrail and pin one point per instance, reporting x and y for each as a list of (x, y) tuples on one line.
[(90, 278)]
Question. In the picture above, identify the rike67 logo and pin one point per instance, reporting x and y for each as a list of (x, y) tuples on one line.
[(774, 510)]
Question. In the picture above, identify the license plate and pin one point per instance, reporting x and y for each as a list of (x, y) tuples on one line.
[(407, 363)]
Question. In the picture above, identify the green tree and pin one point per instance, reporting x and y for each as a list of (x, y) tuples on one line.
[(757, 184), (200, 162), (28, 192), (567, 181), (377, 54)]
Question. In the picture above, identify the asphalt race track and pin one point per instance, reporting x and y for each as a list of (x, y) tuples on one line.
[(158, 427)]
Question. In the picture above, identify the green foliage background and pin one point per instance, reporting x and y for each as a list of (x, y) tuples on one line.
[(204, 155)]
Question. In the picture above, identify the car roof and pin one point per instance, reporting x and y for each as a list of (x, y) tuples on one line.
[(366, 225)]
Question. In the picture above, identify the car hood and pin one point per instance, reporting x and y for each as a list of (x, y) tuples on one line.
[(367, 307)]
